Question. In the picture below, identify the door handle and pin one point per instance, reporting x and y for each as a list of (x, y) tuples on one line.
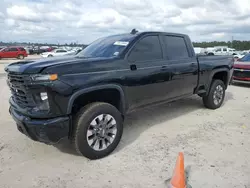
[(133, 67), (164, 67), (193, 65)]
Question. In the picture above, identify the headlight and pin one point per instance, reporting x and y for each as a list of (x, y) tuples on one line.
[(44, 77)]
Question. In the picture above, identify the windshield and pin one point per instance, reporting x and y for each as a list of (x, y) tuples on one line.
[(246, 58), (107, 47)]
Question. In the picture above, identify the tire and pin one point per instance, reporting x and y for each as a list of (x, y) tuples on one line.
[(82, 123), (209, 101), (20, 57), (50, 55), (210, 54)]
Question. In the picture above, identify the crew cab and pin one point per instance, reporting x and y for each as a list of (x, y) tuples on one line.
[(222, 50), (13, 52), (86, 97)]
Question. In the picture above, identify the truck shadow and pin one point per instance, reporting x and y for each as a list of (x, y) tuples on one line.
[(141, 120), (66, 146), (241, 85), (138, 122)]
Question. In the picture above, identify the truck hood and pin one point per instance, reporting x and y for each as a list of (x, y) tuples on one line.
[(36, 66)]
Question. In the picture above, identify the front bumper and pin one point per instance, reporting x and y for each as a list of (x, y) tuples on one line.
[(48, 131)]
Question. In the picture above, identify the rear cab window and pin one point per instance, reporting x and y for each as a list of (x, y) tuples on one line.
[(175, 47)]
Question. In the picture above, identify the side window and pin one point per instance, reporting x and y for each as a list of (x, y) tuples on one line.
[(176, 47), (146, 49), (22, 49), (218, 50), (224, 50), (60, 51), (13, 50)]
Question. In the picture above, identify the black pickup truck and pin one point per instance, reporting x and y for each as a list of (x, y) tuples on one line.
[(86, 97)]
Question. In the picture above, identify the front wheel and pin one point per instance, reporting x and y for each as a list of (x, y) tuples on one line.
[(98, 129), (216, 95)]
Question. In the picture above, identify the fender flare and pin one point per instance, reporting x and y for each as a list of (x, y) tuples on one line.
[(216, 71), (95, 88)]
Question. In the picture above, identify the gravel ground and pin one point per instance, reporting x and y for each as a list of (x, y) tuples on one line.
[(215, 145)]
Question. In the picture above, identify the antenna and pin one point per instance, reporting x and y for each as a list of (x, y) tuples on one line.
[(134, 31)]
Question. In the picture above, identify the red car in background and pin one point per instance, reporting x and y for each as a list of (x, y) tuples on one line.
[(242, 70), (13, 52)]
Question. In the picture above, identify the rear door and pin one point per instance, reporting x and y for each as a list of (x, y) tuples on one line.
[(23, 52), (218, 51), (148, 75), (182, 64), (12, 53)]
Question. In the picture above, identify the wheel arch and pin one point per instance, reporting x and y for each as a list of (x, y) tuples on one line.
[(221, 74), (100, 88)]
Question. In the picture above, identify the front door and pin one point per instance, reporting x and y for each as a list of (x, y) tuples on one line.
[(148, 73)]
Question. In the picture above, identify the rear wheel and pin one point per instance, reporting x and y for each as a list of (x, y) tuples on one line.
[(216, 95), (20, 57), (98, 129), (210, 53), (50, 55)]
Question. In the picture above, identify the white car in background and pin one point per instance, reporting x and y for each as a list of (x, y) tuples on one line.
[(55, 53), (241, 54), (221, 50)]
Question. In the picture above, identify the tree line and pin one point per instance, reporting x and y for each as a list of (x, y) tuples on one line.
[(73, 44), (238, 45)]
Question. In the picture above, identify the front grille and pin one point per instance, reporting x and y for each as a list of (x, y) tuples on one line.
[(19, 91), (241, 74)]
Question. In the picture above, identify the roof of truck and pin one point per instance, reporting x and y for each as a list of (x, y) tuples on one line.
[(159, 32)]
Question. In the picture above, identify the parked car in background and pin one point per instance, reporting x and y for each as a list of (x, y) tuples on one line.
[(13, 52), (55, 53), (73, 52), (240, 55), (221, 50), (199, 50), (242, 70)]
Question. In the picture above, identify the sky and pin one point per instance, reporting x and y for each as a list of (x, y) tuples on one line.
[(83, 21)]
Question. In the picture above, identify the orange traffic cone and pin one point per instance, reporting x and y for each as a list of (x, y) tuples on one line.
[(178, 180)]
